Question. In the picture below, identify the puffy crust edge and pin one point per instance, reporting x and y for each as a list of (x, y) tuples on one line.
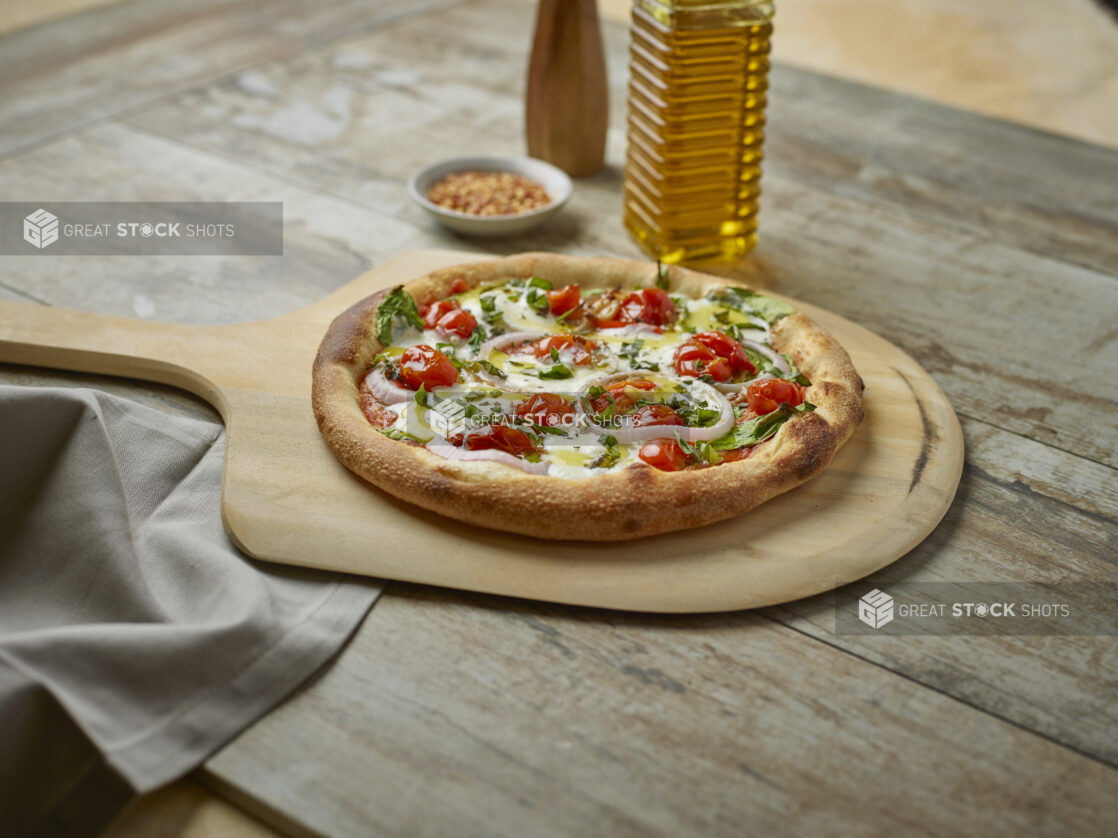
[(631, 503)]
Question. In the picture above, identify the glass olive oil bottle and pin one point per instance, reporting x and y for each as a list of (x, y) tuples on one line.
[(698, 78)]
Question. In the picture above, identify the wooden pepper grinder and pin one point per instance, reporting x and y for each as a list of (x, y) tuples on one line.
[(567, 108)]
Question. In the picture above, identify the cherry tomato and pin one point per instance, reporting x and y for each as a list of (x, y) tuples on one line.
[(423, 365), (564, 299), (712, 353), (664, 454), (503, 438), (736, 454), (726, 347), (766, 396), (447, 319), (579, 345), (648, 305), (655, 414), (618, 395), (458, 286), (695, 359), (378, 415), (545, 409), (433, 312), (457, 322)]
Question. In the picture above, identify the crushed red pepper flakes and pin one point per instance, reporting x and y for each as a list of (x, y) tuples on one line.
[(488, 193)]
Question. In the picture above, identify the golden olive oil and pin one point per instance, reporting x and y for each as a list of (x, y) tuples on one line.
[(698, 79)]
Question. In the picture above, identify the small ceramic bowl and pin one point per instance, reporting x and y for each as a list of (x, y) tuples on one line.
[(554, 180)]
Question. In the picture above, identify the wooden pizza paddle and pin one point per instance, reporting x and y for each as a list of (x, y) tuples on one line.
[(286, 499)]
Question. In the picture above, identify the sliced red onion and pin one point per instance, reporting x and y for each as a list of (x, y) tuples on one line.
[(626, 434), (385, 390), (504, 340), (440, 446), (737, 387), (778, 360)]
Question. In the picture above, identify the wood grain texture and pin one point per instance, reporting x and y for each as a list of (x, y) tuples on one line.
[(458, 715), (130, 53), (884, 492)]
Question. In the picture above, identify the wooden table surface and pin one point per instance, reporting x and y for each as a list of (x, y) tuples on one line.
[(986, 250)]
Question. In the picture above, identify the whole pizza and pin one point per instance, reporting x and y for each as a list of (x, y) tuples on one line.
[(582, 398)]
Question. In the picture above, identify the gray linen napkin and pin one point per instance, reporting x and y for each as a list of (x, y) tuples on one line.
[(135, 640)]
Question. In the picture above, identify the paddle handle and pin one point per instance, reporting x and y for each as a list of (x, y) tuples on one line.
[(46, 336)]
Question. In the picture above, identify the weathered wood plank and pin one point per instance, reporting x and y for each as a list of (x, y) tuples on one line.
[(327, 241), (457, 715), (1020, 341), (1024, 512), (64, 74), (1040, 192)]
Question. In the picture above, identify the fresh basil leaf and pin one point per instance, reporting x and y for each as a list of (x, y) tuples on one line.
[(489, 310), (488, 366), (557, 371), (397, 305), (759, 429), (392, 433), (769, 309), (549, 429), (537, 301), (423, 398), (608, 458), (536, 282), (794, 374), (476, 338), (554, 355)]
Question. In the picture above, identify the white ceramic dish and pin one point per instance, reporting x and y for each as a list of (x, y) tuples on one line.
[(554, 180)]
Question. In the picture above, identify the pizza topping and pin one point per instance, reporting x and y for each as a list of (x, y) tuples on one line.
[(664, 454), (448, 319), (424, 366), (384, 388), (556, 346), (533, 372), (564, 300), (397, 305), (648, 306), (766, 396), (750, 302), (715, 354), (655, 414), (546, 409), (373, 407), (636, 410), (450, 452), (769, 355), (759, 429), (503, 438)]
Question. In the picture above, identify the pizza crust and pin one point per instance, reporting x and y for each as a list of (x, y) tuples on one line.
[(626, 504)]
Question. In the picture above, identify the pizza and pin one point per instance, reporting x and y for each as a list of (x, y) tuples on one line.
[(582, 398)]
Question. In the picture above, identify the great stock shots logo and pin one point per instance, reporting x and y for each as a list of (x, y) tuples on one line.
[(147, 228), (875, 609), (40, 228)]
